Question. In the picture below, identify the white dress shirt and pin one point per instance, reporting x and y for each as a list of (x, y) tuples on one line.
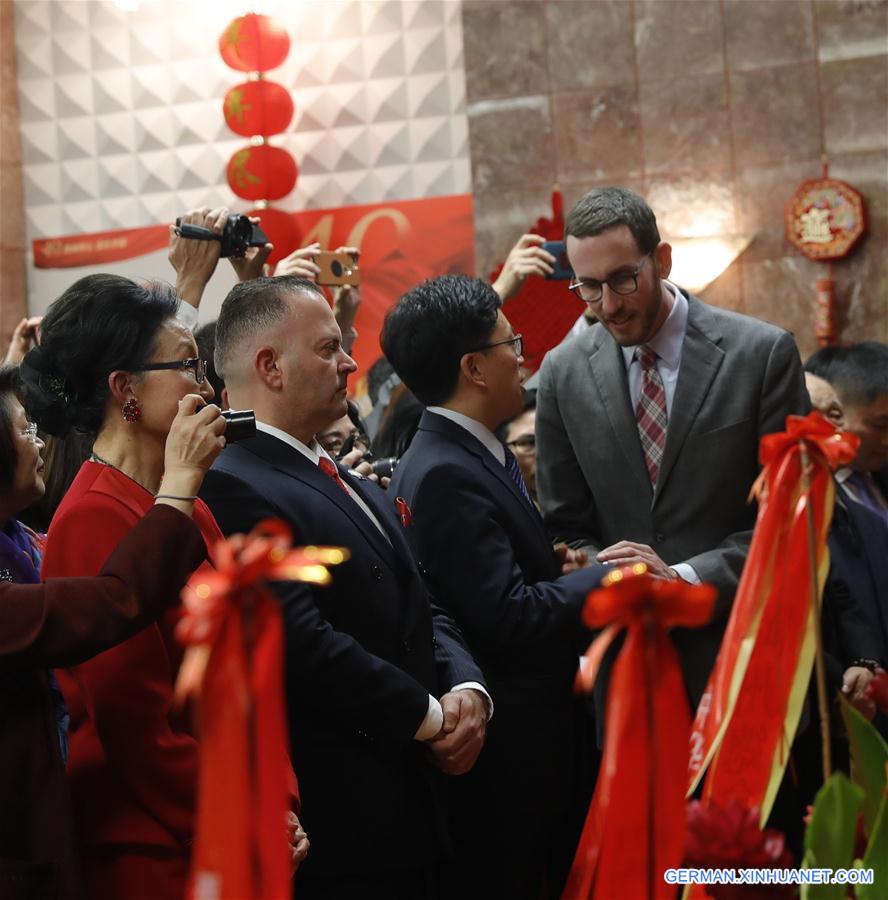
[(476, 429)]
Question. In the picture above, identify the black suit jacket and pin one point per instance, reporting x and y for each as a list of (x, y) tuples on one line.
[(491, 565), (362, 657), (858, 546)]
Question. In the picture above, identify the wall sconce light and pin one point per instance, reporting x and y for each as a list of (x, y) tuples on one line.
[(698, 261)]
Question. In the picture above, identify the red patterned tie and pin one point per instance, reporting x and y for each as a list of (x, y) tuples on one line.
[(328, 467), (651, 412)]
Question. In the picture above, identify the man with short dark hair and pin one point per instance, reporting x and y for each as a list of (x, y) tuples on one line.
[(379, 682), (859, 376), (648, 424), (491, 564)]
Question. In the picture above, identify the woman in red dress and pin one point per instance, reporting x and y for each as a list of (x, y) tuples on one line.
[(114, 361)]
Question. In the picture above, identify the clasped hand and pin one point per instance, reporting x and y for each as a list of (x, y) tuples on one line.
[(457, 745)]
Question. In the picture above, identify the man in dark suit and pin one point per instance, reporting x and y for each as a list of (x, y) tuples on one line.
[(857, 376), (368, 657), (493, 567), (648, 424)]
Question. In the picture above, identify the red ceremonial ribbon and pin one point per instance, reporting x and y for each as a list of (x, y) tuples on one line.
[(234, 666), (635, 827), (764, 665)]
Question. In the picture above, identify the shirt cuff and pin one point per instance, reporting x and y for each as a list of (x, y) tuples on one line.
[(187, 315), (432, 723), (474, 686), (686, 573)]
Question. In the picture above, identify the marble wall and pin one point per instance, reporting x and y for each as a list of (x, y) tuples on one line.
[(715, 110)]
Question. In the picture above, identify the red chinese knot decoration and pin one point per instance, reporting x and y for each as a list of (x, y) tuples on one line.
[(258, 108), (254, 43), (825, 219)]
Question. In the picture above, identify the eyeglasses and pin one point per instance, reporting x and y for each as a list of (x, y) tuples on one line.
[(30, 432), (526, 443), (199, 366), (590, 291), (517, 340)]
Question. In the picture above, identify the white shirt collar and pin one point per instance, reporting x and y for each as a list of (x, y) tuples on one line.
[(476, 429), (312, 452), (668, 341)]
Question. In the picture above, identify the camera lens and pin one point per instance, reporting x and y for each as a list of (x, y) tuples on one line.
[(336, 267), (241, 424)]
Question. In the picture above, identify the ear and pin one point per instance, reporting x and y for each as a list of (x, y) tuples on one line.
[(265, 364), (122, 385), (663, 256), (471, 369)]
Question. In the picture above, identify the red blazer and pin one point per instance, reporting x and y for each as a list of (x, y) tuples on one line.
[(60, 624), (132, 768)]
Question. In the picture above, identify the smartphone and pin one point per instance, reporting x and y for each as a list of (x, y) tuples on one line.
[(337, 268), (562, 270)]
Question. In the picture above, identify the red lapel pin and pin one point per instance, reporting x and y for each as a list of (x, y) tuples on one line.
[(404, 511)]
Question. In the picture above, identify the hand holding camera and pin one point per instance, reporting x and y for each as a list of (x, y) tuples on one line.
[(194, 441), (202, 236)]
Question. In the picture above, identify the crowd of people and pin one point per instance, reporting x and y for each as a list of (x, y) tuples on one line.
[(439, 747)]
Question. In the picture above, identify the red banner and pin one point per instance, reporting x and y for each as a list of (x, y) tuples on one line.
[(101, 247), (401, 244)]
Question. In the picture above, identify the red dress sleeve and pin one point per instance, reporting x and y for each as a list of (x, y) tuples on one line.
[(133, 774)]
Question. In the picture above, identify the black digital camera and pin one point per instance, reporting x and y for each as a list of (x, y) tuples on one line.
[(239, 234), (241, 424)]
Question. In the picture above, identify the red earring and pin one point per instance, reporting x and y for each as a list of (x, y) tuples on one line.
[(132, 412)]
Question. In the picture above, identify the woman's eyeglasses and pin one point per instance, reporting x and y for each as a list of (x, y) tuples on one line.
[(197, 365)]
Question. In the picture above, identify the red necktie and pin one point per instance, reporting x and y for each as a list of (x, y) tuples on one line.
[(650, 413), (328, 467)]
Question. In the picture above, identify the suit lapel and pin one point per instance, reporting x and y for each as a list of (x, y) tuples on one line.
[(385, 516), (701, 358), (456, 434), (609, 376), (290, 462)]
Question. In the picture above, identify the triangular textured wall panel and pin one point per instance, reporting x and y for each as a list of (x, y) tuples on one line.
[(122, 119)]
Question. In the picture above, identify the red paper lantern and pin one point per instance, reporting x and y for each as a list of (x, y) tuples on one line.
[(254, 43), (281, 229), (258, 107), (262, 173)]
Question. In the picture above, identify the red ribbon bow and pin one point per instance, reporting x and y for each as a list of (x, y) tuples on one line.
[(635, 827), (234, 666), (764, 661)]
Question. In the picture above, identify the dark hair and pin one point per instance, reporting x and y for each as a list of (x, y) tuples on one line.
[(9, 388), (205, 338), (377, 375), (529, 402), (254, 304), (432, 326), (99, 324), (609, 207), (399, 424), (859, 373)]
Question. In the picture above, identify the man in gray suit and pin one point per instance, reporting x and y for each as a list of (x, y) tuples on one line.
[(648, 424)]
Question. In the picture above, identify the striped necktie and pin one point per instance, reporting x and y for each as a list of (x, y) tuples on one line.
[(650, 413), (515, 473)]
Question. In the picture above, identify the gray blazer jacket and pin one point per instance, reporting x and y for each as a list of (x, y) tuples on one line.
[(739, 379)]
